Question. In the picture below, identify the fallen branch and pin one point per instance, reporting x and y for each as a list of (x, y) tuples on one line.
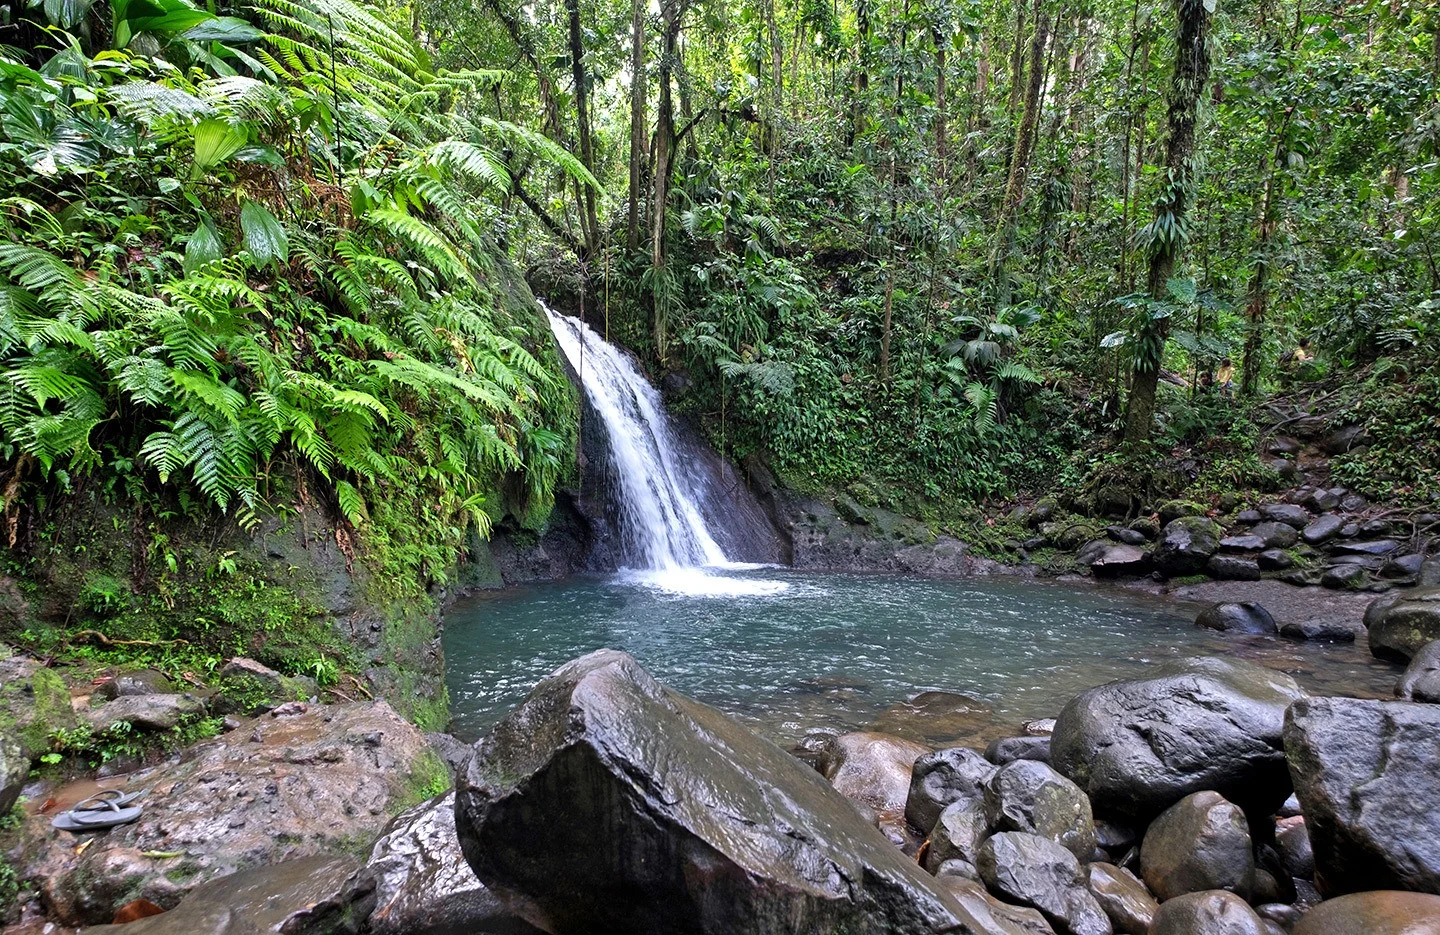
[(104, 640)]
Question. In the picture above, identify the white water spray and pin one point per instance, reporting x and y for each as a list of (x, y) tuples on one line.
[(659, 496)]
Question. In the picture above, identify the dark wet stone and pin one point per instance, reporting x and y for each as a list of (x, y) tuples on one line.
[(942, 778), (993, 915), (1403, 566), (1147, 526), (1353, 503), (14, 769), (1114, 837), (1185, 545), (1321, 501), (1290, 514), (1126, 535), (1244, 617), (1039, 727), (1246, 543), (1285, 468), (1348, 577), (1274, 559), (607, 802), (1324, 631), (1200, 843), (1029, 796), (957, 834), (449, 749), (138, 682), (1281, 914), (1139, 746), (1365, 774), (1276, 535), (1008, 749), (1293, 842), (1344, 439), (1383, 912), (1248, 517), (955, 867), (1349, 530), (1210, 912), (1421, 681), (310, 896), (423, 886), (1322, 529), (1122, 897), (1302, 577), (1370, 547), (1036, 872), (871, 768), (1233, 568), (1401, 623)]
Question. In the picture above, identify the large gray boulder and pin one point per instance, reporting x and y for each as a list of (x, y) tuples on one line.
[(606, 802), (1186, 544), (1402, 622), (1200, 843), (1243, 617), (1384, 912), (422, 884), (145, 712), (1123, 898), (871, 768), (1421, 681), (14, 770), (1029, 796), (1034, 871), (1136, 747), (944, 777), (1367, 774), (958, 834)]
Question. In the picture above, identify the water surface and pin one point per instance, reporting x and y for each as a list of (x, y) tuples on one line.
[(837, 651)]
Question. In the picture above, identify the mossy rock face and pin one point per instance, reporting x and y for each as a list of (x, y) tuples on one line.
[(1075, 535), (852, 512), (34, 704), (1175, 509)]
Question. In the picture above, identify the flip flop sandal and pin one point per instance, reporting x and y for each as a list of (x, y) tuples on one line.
[(98, 819), (106, 797)]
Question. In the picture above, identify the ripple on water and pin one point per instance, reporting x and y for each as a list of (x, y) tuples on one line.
[(790, 651)]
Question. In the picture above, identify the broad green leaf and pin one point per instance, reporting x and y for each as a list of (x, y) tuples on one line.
[(224, 29), (1113, 339), (1181, 290), (264, 236), (204, 247), (215, 141), (66, 13)]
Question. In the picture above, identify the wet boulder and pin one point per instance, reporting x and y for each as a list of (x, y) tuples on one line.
[(145, 712), (1209, 912), (1274, 559), (135, 682), (1322, 529), (1109, 561), (1123, 898), (311, 781), (1245, 617), (1233, 568), (1292, 840), (1004, 750), (311, 896), (1033, 871), (1401, 623), (1200, 843), (1365, 773), (1276, 535), (422, 884), (1185, 545), (993, 915), (1320, 631), (871, 768), (957, 834), (1029, 796), (14, 769), (1421, 681), (608, 802), (944, 777), (251, 687), (34, 703), (1381, 912), (1138, 746)]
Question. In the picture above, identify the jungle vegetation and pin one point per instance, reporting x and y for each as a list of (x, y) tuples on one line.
[(958, 250)]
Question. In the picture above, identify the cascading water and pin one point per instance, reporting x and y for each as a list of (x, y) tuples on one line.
[(666, 542)]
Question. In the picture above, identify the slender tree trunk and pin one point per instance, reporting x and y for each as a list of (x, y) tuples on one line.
[(1019, 161), (940, 108), (1256, 291), (1192, 71), (1017, 59), (671, 14), (637, 123), (590, 224)]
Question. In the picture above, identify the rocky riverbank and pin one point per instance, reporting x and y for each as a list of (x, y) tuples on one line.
[(1213, 796)]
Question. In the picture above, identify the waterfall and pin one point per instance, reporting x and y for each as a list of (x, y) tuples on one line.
[(659, 495)]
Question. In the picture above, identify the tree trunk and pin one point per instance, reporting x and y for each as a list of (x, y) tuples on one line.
[(672, 14), (1192, 71), (1019, 161), (1255, 293), (590, 225), (637, 123), (940, 109)]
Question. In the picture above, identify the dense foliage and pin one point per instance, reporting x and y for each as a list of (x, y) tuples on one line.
[(229, 251)]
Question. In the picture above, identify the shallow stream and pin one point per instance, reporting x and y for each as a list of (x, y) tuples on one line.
[(791, 651)]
